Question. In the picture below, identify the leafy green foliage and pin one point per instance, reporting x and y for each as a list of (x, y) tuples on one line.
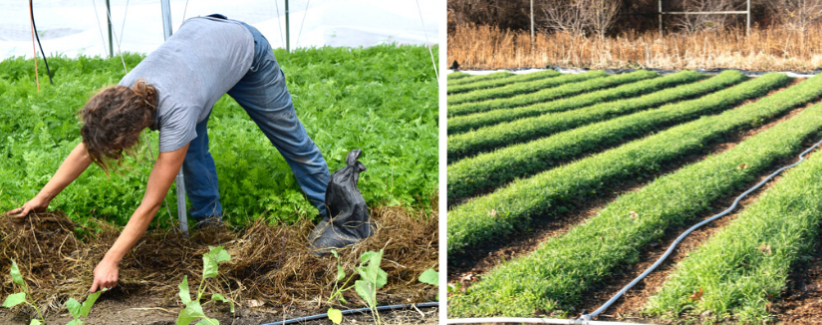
[(750, 259), (558, 273), (194, 310), (465, 123), (501, 212), (381, 99), (23, 296), (489, 138), (335, 315), (493, 169), (454, 89), (487, 99), (372, 277), (79, 311), (430, 276), (478, 78)]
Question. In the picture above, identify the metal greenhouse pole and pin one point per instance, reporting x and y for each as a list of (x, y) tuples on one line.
[(180, 179)]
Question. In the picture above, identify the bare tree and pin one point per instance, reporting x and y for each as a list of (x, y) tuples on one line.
[(580, 16), (695, 23), (796, 14), (604, 14)]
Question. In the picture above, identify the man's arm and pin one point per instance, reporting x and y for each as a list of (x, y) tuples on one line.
[(71, 168), (162, 175)]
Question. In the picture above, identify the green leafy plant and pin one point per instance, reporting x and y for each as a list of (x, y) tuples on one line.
[(432, 277), (372, 277), (194, 310), (493, 83), (23, 296), (78, 310)]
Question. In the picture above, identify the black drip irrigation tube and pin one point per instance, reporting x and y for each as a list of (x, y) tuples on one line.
[(356, 311), (34, 26)]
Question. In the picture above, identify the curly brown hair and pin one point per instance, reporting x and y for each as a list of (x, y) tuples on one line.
[(113, 120)]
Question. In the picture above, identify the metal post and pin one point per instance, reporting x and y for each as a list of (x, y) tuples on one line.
[(532, 24), (166, 8), (180, 179), (287, 30), (660, 18), (749, 18), (108, 17)]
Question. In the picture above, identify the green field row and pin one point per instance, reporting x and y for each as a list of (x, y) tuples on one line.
[(479, 78), (465, 123), (494, 169), (498, 213), (455, 89), (506, 134), (457, 75), (750, 259), (486, 99), (563, 268)]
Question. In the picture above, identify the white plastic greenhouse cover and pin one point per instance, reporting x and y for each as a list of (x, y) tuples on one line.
[(70, 27)]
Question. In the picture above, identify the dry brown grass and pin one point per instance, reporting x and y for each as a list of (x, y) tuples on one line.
[(487, 47), (269, 263)]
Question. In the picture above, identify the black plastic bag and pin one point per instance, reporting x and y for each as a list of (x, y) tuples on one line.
[(347, 220)]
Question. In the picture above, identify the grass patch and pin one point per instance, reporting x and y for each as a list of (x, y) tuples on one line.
[(525, 77), (496, 168), (501, 212), (482, 100), (465, 123), (562, 269), (506, 134), (478, 78)]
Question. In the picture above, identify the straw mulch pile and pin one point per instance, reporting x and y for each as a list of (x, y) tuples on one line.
[(269, 263)]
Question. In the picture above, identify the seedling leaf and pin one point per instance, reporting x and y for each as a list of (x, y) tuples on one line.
[(365, 257), (75, 322), (335, 315), (365, 291), (340, 273), (192, 312), (73, 307), (15, 274), (35, 322), (372, 271), (210, 261), (184, 294), (219, 297), (430, 277), (333, 252), (208, 321), (15, 299), (90, 300), (382, 278)]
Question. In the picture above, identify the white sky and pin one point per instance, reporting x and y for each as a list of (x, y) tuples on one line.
[(70, 27)]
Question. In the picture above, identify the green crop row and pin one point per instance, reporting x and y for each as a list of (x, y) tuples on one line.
[(465, 123), (457, 75), (506, 134), (486, 99), (479, 78), (494, 169), (525, 77), (563, 268), (750, 259), (516, 204)]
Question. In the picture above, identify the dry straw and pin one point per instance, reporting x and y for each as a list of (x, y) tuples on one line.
[(488, 47)]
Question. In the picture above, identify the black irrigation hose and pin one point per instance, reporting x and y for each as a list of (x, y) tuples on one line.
[(31, 10), (355, 311)]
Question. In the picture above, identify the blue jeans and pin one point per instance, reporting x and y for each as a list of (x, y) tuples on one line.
[(263, 94)]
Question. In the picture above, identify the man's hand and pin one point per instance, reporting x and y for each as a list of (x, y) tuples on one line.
[(37, 204), (105, 276)]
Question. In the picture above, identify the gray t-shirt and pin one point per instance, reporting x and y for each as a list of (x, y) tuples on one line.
[(194, 68)]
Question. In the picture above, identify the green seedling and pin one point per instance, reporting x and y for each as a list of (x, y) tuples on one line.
[(79, 311), (432, 277), (22, 297), (194, 310), (371, 279)]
